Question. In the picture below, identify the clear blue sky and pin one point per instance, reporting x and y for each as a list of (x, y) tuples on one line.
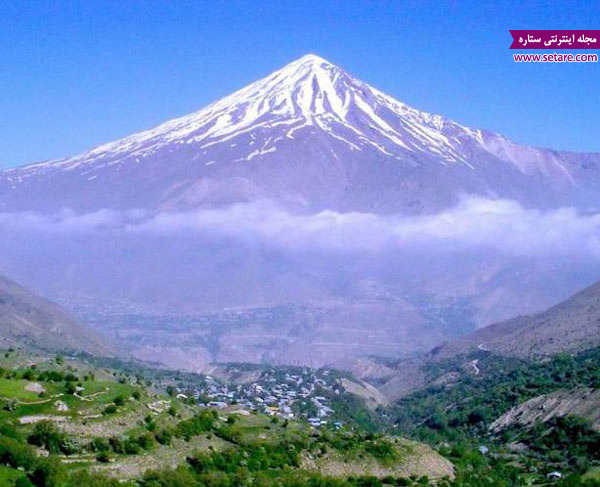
[(74, 74)]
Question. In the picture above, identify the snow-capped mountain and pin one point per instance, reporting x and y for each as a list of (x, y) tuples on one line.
[(308, 136), (272, 225)]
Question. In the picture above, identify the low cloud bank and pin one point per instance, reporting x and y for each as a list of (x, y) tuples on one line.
[(500, 225)]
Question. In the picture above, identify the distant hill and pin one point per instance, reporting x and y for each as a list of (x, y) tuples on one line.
[(30, 320), (570, 326)]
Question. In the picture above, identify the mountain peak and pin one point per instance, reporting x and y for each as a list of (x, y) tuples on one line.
[(311, 58), (309, 63), (308, 95)]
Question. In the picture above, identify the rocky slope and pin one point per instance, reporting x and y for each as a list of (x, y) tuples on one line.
[(579, 402)]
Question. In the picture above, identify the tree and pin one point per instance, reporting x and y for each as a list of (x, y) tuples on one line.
[(29, 374), (103, 456), (110, 409), (48, 473), (46, 435), (119, 400)]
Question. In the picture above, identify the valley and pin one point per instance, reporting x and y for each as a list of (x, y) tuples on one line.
[(476, 415)]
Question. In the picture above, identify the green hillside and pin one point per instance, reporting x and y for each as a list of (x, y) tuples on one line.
[(460, 417), (68, 422)]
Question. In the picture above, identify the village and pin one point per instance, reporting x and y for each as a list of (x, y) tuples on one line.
[(306, 395)]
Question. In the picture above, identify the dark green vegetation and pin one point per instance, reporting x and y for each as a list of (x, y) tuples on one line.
[(467, 408), (460, 414), (351, 410), (567, 440)]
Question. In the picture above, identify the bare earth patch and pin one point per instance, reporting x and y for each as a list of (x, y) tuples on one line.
[(42, 417), (35, 387), (103, 426)]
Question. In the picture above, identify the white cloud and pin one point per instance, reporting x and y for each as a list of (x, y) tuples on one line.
[(477, 223)]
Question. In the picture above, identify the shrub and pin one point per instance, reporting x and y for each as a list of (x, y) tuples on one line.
[(46, 435), (100, 444), (119, 400), (146, 442), (29, 374), (48, 473), (110, 409), (15, 454), (70, 388), (103, 456), (69, 446), (131, 446), (164, 437), (23, 482), (199, 424)]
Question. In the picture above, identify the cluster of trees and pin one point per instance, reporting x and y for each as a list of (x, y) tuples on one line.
[(569, 441), (352, 410), (38, 471), (106, 448), (260, 463), (131, 445), (71, 381), (460, 416), (45, 434), (356, 442), (183, 477), (465, 410), (474, 470), (202, 422), (120, 401), (42, 376), (457, 416)]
